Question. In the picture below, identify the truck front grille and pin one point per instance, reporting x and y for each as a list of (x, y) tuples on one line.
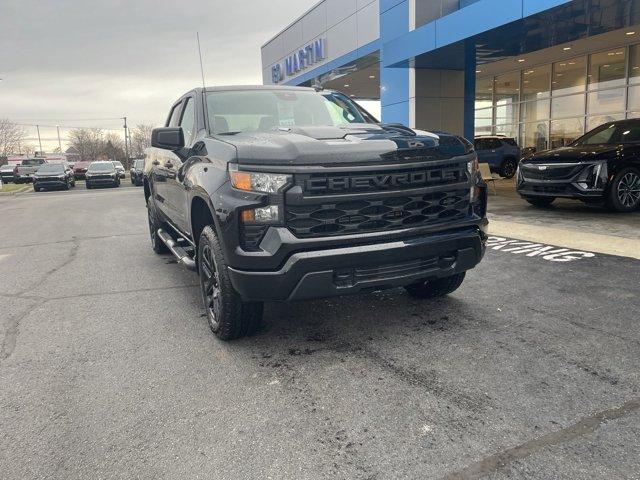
[(376, 214)]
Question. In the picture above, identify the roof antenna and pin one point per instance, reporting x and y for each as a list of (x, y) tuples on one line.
[(200, 55)]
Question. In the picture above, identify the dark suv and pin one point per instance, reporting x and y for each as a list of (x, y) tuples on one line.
[(602, 166), (285, 193), (501, 153)]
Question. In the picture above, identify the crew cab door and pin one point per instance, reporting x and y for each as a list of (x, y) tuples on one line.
[(162, 162), (176, 194)]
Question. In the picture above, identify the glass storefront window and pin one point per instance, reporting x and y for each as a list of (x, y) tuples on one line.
[(607, 69), (507, 88), (606, 101), (534, 135), (634, 64), (507, 113), (484, 92), (633, 115), (563, 132), (634, 98), (569, 76), (533, 111), (570, 106), (536, 83), (597, 120), (510, 131)]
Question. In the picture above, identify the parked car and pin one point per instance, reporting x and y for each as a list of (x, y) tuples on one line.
[(501, 153), (102, 174), (136, 172), (601, 166), (285, 193), (24, 172), (80, 169), (119, 168), (53, 175), (6, 173)]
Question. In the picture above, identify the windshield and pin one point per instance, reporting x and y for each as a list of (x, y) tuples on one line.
[(612, 133), (101, 167), (32, 162), (51, 168), (264, 110)]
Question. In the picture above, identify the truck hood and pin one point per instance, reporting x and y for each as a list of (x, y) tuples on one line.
[(575, 154), (350, 144)]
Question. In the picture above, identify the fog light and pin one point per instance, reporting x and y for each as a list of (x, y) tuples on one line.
[(268, 214)]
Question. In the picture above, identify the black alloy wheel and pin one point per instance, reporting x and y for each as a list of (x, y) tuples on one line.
[(629, 190), (509, 168), (626, 191), (210, 284)]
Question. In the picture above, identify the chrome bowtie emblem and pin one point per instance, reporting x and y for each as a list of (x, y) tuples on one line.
[(542, 167)]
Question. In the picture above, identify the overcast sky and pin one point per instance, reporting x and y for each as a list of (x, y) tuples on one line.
[(76, 60)]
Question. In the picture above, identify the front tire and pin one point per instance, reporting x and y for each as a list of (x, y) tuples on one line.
[(436, 288), (157, 245), (229, 317), (540, 202), (624, 194), (508, 168)]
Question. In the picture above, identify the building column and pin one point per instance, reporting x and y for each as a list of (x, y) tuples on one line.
[(445, 99), (397, 99)]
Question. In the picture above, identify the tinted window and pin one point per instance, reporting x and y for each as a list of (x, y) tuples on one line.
[(32, 161), (510, 141), (101, 167), (51, 168), (492, 143), (188, 122), (629, 133), (600, 135), (175, 116)]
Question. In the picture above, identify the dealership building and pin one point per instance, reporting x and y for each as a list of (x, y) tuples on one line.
[(541, 71)]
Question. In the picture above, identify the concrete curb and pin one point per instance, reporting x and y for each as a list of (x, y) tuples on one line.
[(577, 240)]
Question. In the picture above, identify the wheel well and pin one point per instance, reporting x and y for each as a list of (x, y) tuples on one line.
[(200, 217)]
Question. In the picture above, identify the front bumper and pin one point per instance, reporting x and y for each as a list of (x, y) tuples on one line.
[(102, 182), (363, 268), (49, 183), (577, 183)]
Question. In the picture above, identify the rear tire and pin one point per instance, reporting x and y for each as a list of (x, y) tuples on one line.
[(508, 168), (624, 192), (541, 202), (229, 317), (157, 245), (436, 288)]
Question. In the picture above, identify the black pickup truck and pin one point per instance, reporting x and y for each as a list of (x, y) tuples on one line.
[(289, 193)]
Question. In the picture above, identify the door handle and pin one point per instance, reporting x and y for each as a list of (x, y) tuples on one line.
[(155, 162)]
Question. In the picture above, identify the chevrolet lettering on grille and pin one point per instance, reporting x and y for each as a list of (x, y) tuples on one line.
[(384, 181)]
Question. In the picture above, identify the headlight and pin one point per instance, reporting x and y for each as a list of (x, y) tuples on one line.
[(473, 166), (257, 181)]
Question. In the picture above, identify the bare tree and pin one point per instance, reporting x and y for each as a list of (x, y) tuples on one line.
[(89, 142), (113, 147), (12, 137), (140, 139)]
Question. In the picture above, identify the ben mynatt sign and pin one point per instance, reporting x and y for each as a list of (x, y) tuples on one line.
[(305, 57)]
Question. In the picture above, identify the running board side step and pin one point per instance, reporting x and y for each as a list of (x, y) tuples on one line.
[(181, 255)]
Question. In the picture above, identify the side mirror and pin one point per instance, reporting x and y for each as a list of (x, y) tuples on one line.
[(167, 138)]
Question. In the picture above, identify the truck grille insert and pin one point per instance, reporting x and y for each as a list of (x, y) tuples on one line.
[(327, 218)]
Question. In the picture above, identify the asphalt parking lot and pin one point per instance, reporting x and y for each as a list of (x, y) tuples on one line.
[(108, 369)]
